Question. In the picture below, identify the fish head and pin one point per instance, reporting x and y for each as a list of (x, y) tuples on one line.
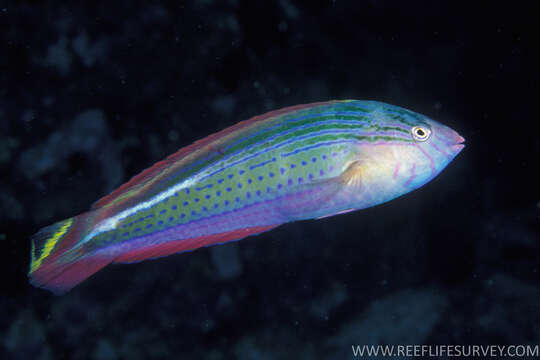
[(412, 151), (431, 147)]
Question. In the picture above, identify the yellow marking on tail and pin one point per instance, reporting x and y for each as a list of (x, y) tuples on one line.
[(49, 245)]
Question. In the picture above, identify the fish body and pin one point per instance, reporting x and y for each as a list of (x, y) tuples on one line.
[(302, 162)]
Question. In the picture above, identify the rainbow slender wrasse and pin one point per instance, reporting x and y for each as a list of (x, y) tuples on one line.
[(301, 162)]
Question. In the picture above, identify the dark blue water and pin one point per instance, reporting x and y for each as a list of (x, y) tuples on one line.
[(90, 96)]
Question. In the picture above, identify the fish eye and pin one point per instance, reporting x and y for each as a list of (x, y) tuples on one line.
[(420, 133)]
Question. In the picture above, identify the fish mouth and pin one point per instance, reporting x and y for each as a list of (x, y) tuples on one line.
[(459, 145)]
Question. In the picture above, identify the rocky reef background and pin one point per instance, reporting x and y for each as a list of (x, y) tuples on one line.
[(91, 95)]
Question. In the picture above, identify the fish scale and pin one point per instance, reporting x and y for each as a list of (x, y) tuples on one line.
[(302, 162), (244, 188)]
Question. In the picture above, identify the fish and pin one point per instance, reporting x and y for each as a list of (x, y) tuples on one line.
[(301, 162)]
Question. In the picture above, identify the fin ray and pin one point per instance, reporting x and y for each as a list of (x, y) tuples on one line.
[(57, 263), (44, 241), (60, 277), (173, 247)]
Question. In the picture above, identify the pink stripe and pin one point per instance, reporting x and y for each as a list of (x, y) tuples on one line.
[(439, 150), (431, 162), (413, 175), (396, 170)]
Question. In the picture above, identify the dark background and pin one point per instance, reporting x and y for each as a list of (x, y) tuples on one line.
[(91, 95)]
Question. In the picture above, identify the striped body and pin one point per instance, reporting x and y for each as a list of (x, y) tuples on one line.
[(303, 162)]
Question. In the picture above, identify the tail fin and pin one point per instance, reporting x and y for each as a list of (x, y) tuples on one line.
[(57, 262)]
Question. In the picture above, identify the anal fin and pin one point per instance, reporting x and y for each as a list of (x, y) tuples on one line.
[(177, 246), (336, 213)]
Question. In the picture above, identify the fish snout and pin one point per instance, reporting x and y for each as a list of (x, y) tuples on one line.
[(458, 143), (449, 138)]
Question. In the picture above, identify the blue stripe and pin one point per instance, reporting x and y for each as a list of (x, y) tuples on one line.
[(209, 157), (259, 164), (228, 157), (305, 117), (306, 148), (277, 146), (180, 224)]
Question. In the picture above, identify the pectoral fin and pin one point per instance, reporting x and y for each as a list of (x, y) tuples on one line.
[(352, 176)]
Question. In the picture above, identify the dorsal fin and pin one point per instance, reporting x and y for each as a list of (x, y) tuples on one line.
[(203, 145)]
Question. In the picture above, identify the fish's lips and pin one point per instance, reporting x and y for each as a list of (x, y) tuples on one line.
[(457, 147), (459, 144)]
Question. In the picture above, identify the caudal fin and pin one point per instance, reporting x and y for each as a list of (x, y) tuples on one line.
[(58, 262)]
